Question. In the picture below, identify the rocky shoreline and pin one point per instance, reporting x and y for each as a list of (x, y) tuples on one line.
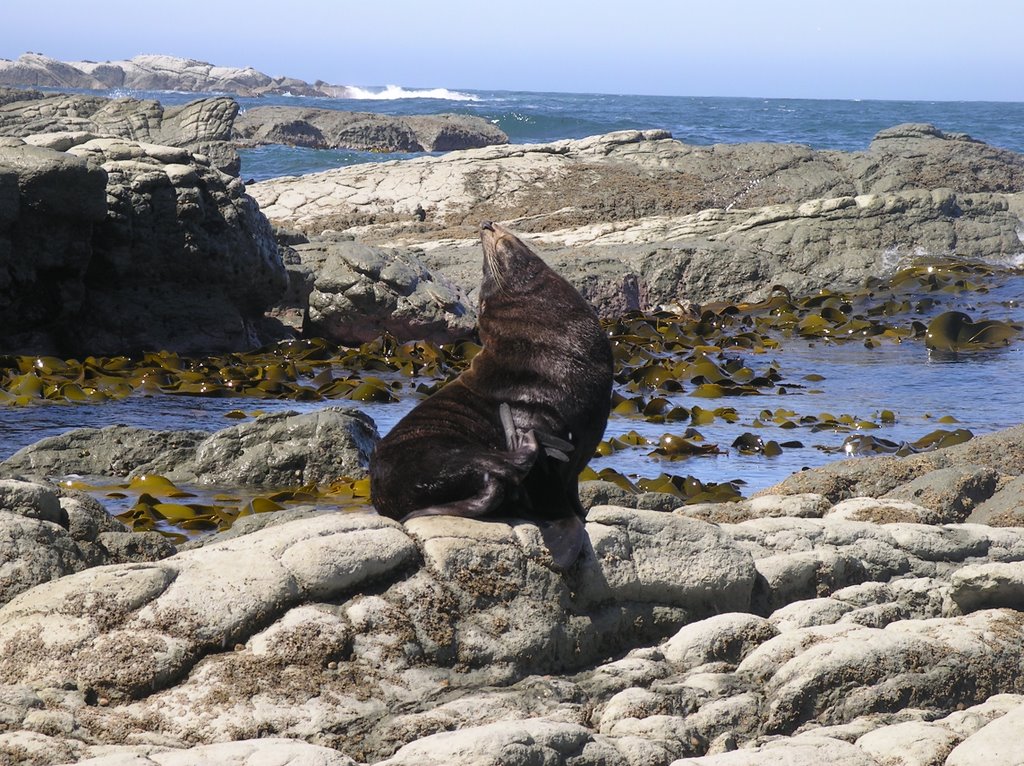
[(857, 613), (156, 72), (870, 612)]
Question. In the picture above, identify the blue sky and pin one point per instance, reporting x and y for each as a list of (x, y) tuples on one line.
[(898, 49)]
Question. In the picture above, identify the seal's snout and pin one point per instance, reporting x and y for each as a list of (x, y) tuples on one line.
[(487, 225)]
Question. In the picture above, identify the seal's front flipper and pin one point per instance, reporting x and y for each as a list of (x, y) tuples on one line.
[(553, 446), (564, 540)]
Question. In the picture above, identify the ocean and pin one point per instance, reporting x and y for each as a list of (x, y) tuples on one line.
[(528, 117)]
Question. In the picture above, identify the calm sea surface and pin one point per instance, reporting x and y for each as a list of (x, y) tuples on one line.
[(981, 392)]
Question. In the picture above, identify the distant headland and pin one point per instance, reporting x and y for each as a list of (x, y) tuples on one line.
[(157, 72)]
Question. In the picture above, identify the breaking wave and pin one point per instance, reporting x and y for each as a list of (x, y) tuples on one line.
[(394, 92)]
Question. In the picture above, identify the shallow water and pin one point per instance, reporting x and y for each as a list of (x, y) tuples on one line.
[(979, 391)]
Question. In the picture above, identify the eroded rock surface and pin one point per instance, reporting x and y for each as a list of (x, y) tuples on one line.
[(804, 628), (110, 245), (636, 219), (364, 131)]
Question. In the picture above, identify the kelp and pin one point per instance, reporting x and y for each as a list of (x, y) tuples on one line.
[(719, 351), (688, 489), (154, 503), (953, 331)]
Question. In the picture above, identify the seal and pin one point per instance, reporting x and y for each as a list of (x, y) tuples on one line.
[(510, 435)]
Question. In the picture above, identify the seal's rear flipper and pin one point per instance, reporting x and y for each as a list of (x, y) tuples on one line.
[(564, 540)]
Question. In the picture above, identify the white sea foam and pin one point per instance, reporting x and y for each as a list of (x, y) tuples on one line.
[(394, 92)]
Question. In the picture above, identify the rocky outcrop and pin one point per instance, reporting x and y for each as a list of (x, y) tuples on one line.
[(271, 451), (109, 245), (203, 126), (806, 628), (333, 129), (359, 292), (155, 72), (636, 219)]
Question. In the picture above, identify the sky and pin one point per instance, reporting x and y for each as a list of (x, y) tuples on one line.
[(870, 49)]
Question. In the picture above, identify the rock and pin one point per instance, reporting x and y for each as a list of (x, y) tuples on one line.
[(242, 753), (605, 493), (513, 743), (723, 638), (156, 72), (951, 493), (362, 131), (1002, 452), (997, 744), (806, 751), (635, 219), (884, 511), (60, 121), (109, 451), (1003, 509), (361, 292), (33, 552), (33, 501), (989, 585), (116, 249), (912, 742), (277, 450), (284, 449)]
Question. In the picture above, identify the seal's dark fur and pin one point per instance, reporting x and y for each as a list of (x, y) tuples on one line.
[(548, 363)]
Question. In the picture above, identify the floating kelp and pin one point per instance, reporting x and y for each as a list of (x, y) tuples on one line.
[(864, 444), (688, 489), (154, 503), (955, 332)]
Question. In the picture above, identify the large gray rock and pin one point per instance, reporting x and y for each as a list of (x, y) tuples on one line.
[(278, 450), (57, 120), (46, 533), (334, 129), (114, 245), (360, 292), (155, 72), (635, 219)]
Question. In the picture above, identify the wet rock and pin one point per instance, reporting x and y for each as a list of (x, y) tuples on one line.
[(362, 131), (279, 450), (605, 493), (109, 451), (361, 292)]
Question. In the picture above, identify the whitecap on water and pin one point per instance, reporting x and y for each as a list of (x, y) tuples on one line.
[(394, 92)]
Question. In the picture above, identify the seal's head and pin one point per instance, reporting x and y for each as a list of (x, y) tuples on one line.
[(509, 265)]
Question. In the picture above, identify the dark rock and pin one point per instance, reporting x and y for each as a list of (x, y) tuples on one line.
[(333, 129), (1003, 509), (117, 246), (951, 492), (360, 292)]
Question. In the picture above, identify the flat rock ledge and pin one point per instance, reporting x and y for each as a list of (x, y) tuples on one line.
[(814, 627), (636, 219)]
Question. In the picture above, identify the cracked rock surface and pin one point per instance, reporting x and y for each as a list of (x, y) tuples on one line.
[(789, 633)]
